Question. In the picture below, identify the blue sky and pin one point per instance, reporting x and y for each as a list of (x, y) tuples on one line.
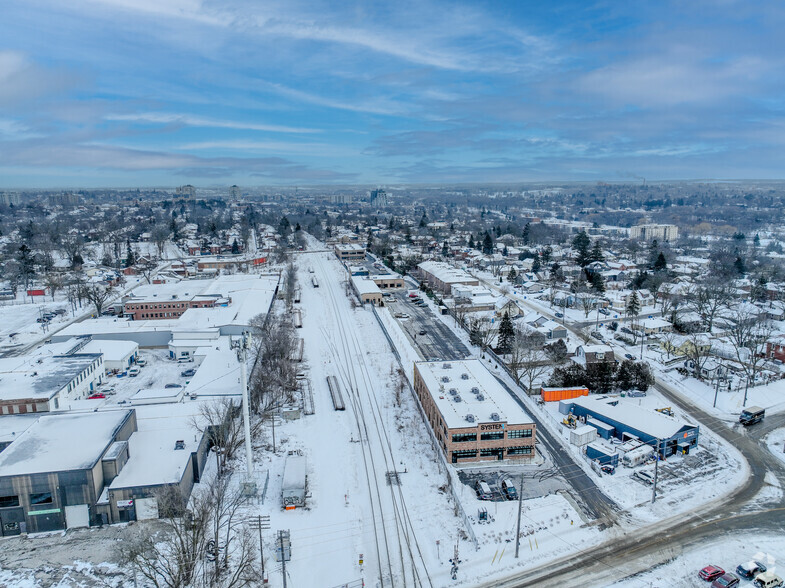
[(167, 92)]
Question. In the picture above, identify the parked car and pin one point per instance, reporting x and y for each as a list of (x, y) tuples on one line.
[(134, 371), (141, 361), (710, 573), (608, 469), (605, 312), (644, 477), (629, 356), (97, 396), (636, 394), (558, 315), (188, 373), (42, 319), (483, 490), (750, 569), (509, 489), (768, 580), (173, 386), (626, 330), (185, 359), (597, 335), (726, 580), (422, 332)]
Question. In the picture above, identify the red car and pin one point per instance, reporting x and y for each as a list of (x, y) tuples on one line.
[(96, 396), (710, 573)]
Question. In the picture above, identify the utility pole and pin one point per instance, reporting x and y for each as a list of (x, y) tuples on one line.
[(261, 522), (520, 508), (283, 552), (656, 470), (716, 391), (242, 355), (746, 387)]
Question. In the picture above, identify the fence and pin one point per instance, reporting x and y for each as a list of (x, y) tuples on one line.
[(442, 459)]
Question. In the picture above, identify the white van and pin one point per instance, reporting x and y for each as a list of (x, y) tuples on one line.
[(141, 361), (134, 371)]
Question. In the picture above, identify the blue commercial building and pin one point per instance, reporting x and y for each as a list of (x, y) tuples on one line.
[(671, 436)]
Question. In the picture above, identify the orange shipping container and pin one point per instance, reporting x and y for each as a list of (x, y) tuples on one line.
[(555, 394)]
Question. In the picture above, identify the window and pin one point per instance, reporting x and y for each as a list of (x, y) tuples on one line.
[(40, 498), (493, 452), (9, 501), (491, 436), (464, 437), (526, 450), (464, 453), (519, 434)]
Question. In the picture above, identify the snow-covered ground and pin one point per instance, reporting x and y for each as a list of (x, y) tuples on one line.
[(726, 552)]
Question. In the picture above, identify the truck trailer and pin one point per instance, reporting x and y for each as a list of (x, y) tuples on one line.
[(294, 482)]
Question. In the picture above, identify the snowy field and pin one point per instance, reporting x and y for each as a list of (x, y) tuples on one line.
[(19, 320)]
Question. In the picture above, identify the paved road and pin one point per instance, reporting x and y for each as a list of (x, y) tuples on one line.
[(735, 513), (440, 342)]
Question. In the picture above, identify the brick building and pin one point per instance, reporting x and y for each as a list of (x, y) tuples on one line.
[(472, 416)]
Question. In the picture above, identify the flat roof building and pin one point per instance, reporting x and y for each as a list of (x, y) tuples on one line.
[(442, 276), (346, 251), (472, 416)]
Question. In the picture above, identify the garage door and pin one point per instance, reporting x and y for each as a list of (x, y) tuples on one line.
[(146, 508), (77, 516)]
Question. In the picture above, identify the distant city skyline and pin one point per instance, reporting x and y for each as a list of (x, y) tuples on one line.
[(103, 93)]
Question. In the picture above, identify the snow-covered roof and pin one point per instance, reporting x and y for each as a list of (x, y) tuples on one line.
[(40, 376), (112, 350), (365, 285), (651, 422), (446, 273), (464, 376), (62, 442)]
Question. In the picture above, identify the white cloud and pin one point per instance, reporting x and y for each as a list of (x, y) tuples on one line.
[(165, 118)]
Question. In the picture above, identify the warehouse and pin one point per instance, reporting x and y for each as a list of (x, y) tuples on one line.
[(52, 475), (367, 290), (442, 276), (472, 416), (629, 420)]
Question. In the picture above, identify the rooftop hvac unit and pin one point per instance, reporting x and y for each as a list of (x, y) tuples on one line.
[(457, 399), (464, 376), (447, 366), (495, 416), (475, 390), (469, 418), (480, 397), (453, 392), (445, 379)]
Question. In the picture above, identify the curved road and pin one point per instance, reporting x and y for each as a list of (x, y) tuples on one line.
[(650, 546)]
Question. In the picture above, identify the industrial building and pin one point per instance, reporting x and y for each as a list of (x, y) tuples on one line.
[(346, 251), (442, 276), (620, 418), (653, 231), (472, 416), (367, 290)]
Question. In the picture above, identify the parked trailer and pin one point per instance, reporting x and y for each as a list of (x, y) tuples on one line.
[(297, 318), (294, 482), (297, 296), (299, 347), (315, 282), (335, 393), (637, 456)]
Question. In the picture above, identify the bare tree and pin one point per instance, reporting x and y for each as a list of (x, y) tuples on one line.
[(98, 295), (174, 557), (273, 377), (750, 332), (54, 282), (148, 268), (290, 283), (527, 360), (697, 350), (708, 298), (481, 332), (221, 423)]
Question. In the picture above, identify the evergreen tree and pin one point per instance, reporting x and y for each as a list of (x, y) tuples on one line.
[(284, 225), (597, 282), (596, 253), (546, 254), (526, 230), (756, 240), (740, 266), (661, 264), (536, 266), (505, 251), (130, 258), (581, 244), (633, 305), (445, 250), (487, 244), (235, 247), (506, 335), (297, 227), (512, 276), (475, 337), (424, 221), (471, 241)]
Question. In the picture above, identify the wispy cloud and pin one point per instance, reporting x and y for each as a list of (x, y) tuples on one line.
[(197, 121)]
